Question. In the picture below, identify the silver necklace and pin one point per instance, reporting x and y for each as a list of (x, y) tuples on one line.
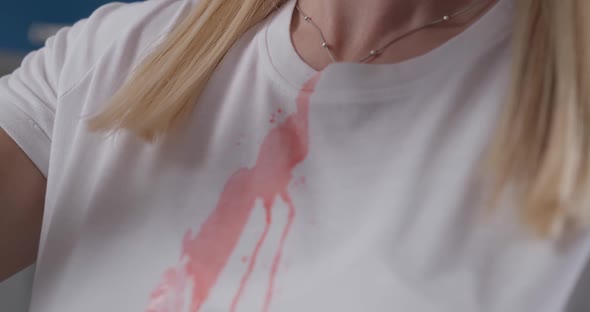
[(377, 52)]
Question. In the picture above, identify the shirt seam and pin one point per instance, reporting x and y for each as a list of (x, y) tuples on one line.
[(142, 54), (35, 124)]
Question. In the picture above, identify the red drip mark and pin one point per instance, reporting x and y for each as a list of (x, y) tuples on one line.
[(206, 253), (173, 283), (277, 260), (253, 259)]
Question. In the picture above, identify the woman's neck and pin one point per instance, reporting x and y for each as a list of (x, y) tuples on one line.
[(353, 28)]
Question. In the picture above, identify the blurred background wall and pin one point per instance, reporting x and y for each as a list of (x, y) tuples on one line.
[(24, 27)]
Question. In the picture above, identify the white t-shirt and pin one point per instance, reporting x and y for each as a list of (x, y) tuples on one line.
[(354, 189)]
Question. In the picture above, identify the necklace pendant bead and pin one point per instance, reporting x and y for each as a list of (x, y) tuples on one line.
[(373, 53), (446, 18), (325, 45)]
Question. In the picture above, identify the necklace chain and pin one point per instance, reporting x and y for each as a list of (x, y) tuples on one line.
[(374, 53)]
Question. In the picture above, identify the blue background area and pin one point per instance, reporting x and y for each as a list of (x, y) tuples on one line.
[(16, 17)]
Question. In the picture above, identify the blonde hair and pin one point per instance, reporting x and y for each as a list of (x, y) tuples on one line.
[(541, 147), (540, 151)]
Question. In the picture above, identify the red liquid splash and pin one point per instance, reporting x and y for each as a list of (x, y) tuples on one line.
[(206, 253)]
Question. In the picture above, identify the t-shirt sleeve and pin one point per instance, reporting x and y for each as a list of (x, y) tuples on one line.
[(29, 96)]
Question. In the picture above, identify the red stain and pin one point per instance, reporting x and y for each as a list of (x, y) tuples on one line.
[(206, 253), (275, 265), (253, 259), (173, 283)]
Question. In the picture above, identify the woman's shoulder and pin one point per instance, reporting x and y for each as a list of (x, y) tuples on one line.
[(119, 32)]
